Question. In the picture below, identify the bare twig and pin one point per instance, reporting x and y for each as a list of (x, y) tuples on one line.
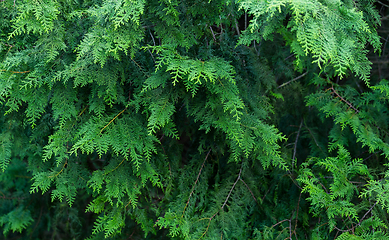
[(294, 181), (279, 223), (294, 79), (295, 143), (314, 139), (149, 26), (198, 176), (371, 155), (8, 45), (39, 219), (245, 20), (249, 190), (383, 4), (152, 37), (4, 70), (324, 187), (221, 27), (343, 100), (297, 214), (291, 55), (255, 48), (237, 27), (213, 34), (233, 186), (386, 41), (384, 18), (290, 227), (360, 221), (224, 204), (113, 119), (268, 190), (151, 55)]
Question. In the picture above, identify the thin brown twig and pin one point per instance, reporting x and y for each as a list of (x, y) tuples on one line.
[(213, 34), (352, 225), (290, 227), (112, 120), (140, 68), (4, 70), (282, 232), (351, 106), (268, 190), (383, 4), (11, 198), (2, 194), (237, 27), (39, 219), (225, 202), (360, 221), (291, 55), (152, 37), (279, 223), (295, 183), (343, 100), (148, 49), (127, 204), (63, 167), (249, 190), (314, 139), (198, 176), (295, 143), (324, 187), (384, 18), (233, 186), (245, 20), (7, 45), (294, 79), (297, 214), (115, 167), (371, 155)]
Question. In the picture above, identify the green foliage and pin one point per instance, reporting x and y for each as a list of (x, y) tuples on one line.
[(16, 220), (334, 33), (193, 120)]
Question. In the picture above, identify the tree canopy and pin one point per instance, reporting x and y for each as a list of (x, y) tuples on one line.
[(194, 119)]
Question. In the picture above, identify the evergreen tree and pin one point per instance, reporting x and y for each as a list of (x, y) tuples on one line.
[(194, 119)]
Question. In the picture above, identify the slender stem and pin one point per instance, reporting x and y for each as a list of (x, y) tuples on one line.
[(198, 176), (233, 186), (314, 139), (112, 120), (294, 79), (343, 100), (360, 221), (249, 190), (213, 34), (295, 143)]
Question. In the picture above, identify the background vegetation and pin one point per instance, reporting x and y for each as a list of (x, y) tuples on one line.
[(194, 119)]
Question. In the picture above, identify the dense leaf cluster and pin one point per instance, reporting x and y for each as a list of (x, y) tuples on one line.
[(246, 119)]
